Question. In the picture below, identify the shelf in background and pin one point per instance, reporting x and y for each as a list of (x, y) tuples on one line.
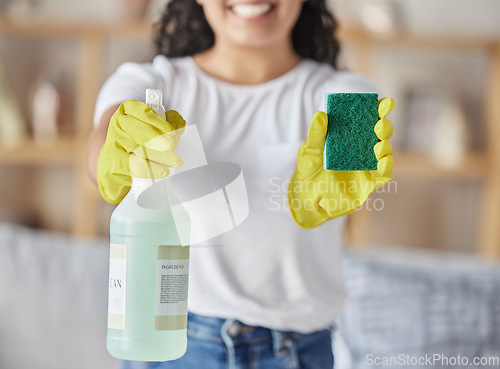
[(423, 166), (410, 40), (44, 26), (63, 151), (40, 26)]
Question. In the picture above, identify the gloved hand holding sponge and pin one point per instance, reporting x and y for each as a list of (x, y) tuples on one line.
[(316, 195), (137, 136)]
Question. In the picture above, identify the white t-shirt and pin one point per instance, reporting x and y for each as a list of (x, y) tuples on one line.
[(269, 271)]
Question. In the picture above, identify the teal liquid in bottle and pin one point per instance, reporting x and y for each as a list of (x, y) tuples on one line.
[(148, 273)]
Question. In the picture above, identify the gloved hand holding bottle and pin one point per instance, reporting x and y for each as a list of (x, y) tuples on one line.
[(149, 234), (316, 195), (137, 134)]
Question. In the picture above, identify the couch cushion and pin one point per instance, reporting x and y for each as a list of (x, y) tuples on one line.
[(53, 301), (418, 303)]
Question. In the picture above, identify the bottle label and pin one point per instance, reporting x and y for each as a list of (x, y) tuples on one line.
[(117, 286), (172, 272)]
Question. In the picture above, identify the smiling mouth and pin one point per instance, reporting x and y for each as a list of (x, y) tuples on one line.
[(248, 10)]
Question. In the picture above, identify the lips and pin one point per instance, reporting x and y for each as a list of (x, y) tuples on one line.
[(251, 10)]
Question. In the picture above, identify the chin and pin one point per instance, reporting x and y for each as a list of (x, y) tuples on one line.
[(254, 40)]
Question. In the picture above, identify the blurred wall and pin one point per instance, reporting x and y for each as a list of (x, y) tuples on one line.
[(478, 17), (424, 214), (86, 9)]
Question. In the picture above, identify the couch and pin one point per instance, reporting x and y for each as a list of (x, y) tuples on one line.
[(53, 298)]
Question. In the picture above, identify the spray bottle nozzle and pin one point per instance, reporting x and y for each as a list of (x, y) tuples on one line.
[(154, 100)]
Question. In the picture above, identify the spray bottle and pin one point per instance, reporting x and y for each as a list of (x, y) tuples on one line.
[(148, 269)]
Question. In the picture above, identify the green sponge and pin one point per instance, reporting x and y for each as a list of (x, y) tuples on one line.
[(350, 136)]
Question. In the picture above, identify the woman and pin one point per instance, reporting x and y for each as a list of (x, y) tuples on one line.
[(250, 74)]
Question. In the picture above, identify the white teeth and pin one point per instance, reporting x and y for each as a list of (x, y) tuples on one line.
[(250, 10)]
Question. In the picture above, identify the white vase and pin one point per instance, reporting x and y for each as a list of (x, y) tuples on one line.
[(449, 141)]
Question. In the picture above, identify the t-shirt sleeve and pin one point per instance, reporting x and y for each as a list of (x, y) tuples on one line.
[(129, 82)]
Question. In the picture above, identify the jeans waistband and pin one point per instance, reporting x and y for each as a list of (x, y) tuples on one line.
[(217, 328), (232, 332)]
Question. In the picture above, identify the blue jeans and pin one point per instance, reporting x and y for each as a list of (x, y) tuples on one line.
[(215, 343)]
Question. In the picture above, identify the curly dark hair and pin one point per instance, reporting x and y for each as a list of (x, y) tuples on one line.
[(183, 30)]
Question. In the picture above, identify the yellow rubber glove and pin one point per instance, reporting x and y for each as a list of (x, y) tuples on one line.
[(316, 195), (139, 143)]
